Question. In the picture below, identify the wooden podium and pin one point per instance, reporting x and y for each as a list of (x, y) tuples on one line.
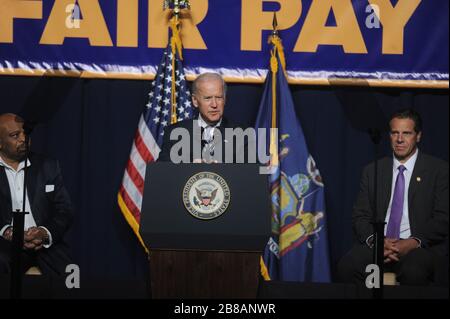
[(204, 274), (192, 257)]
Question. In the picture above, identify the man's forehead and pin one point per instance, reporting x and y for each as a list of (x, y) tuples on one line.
[(11, 124), (407, 130), (209, 93), (10, 117), (402, 121), (210, 83)]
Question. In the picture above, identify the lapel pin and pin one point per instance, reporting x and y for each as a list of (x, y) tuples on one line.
[(419, 179)]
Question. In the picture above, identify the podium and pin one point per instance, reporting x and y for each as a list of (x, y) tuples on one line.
[(206, 226)]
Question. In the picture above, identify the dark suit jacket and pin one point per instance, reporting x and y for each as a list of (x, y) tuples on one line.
[(164, 155), (427, 201), (51, 209)]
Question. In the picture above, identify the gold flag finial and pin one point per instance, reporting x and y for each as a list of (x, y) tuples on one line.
[(275, 40), (275, 24), (176, 6)]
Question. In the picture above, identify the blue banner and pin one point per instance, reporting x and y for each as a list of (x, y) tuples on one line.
[(382, 42)]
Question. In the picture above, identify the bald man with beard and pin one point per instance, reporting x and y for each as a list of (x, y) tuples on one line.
[(47, 202)]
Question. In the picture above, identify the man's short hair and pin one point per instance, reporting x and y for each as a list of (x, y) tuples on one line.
[(409, 113), (207, 76)]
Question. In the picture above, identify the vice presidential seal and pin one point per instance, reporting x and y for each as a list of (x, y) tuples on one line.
[(206, 195)]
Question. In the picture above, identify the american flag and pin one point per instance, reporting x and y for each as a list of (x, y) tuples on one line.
[(169, 85)]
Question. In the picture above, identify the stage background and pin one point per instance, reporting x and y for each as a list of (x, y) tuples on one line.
[(94, 122)]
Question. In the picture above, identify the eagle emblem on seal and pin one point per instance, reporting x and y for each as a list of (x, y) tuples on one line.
[(206, 195)]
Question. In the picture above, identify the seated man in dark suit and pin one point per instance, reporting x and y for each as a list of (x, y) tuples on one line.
[(206, 138), (47, 201), (413, 200)]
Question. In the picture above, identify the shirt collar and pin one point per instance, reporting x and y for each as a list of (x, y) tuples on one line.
[(19, 168), (202, 123), (409, 165)]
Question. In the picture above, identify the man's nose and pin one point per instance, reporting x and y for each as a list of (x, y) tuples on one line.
[(213, 102), (22, 137)]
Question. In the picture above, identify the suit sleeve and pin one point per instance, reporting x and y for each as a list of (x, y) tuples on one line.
[(435, 230), (362, 210), (62, 210)]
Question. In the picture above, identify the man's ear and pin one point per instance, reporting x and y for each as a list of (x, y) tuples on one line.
[(419, 136), (194, 101)]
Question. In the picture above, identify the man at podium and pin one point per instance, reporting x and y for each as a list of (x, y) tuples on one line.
[(198, 217), (203, 139)]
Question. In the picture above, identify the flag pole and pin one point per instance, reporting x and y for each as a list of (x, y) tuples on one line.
[(296, 251), (175, 41), (149, 134), (277, 50)]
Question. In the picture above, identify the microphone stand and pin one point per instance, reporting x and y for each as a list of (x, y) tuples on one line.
[(378, 224), (18, 228)]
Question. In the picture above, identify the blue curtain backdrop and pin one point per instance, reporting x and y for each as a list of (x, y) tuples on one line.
[(90, 125)]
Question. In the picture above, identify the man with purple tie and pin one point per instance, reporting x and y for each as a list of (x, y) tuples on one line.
[(413, 200)]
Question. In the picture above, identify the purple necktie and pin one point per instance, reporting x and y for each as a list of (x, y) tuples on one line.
[(393, 227)]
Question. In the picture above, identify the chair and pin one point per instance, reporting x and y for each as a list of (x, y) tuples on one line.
[(390, 279), (33, 271)]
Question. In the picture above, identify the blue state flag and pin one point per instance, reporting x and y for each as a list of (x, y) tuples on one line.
[(298, 247)]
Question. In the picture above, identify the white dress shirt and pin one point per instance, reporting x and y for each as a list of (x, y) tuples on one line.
[(15, 181), (208, 133)]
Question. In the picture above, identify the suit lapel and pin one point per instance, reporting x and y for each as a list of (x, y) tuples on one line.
[(416, 178), (224, 124), (5, 192), (31, 183), (385, 185)]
